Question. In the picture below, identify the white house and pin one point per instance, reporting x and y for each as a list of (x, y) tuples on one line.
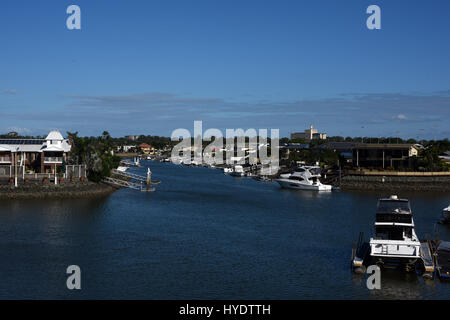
[(39, 155)]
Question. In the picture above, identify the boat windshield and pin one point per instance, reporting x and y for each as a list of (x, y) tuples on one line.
[(390, 206), (393, 233), (315, 171)]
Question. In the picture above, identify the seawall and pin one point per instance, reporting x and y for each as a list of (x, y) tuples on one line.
[(400, 183), (62, 191)]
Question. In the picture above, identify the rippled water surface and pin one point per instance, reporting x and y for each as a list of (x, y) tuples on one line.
[(203, 235)]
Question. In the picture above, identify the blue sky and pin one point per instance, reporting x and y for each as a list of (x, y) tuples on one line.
[(153, 66)]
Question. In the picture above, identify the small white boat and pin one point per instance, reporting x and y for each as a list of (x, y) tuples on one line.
[(122, 168), (227, 170), (304, 178), (238, 171), (136, 162)]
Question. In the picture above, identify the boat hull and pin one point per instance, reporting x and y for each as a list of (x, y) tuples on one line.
[(237, 174), (290, 184)]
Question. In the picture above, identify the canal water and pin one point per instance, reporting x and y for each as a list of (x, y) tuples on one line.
[(203, 235)]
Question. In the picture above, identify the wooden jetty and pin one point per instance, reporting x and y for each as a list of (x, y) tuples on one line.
[(427, 259), (132, 181)]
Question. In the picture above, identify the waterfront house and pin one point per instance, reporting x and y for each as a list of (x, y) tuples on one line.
[(146, 148), (36, 155)]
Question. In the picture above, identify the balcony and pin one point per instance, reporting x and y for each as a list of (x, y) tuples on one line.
[(53, 159), (5, 160)]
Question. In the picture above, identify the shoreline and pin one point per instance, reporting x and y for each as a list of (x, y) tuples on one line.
[(396, 183), (50, 191)]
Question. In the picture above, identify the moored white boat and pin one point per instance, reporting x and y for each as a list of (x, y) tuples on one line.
[(238, 171), (122, 168), (303, 178), (395, 239)]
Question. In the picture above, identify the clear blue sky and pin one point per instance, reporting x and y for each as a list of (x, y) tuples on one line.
[(153, 66)]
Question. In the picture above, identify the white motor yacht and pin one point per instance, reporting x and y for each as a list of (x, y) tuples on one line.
[(303, 178), (395, 239)]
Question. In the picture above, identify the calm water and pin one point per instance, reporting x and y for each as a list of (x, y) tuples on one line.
[(202, 235)]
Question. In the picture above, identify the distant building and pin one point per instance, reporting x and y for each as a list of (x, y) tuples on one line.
[(146, 148), (125, 148), (309, 134), (132, 138)]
